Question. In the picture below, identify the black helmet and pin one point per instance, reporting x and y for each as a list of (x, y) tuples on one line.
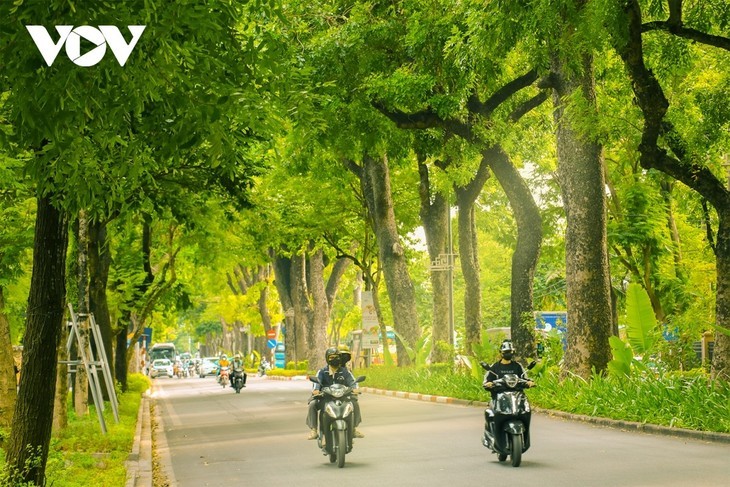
[(345, 355), (507, 350), (332, 356)]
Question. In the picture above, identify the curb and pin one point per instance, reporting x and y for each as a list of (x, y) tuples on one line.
[(281, 377), (424, 397), (139, 461), (655, 429), (710, 436)]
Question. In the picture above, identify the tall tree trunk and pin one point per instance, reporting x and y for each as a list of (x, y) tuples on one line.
[(392, 256), (435, 216), (527, 250), (99, 262), (81, 387), (466, 197), (8, 385), (283, 274), (120, 355), (581, 177), (303, 313), (60, 403), (317, 333), (27, 451), (721, 354)]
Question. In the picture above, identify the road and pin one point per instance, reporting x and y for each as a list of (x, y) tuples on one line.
[(210, 436)]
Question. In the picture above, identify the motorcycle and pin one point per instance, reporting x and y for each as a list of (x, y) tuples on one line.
[(336, 420), (264, 367), (507, 422), (223, 377), (237, 380)]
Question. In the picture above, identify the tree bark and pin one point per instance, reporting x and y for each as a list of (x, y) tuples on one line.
[(27, 451), (581, 177), (721, 354), (99, 262), (435, 216), (303, 312), (8, 384), (81, 387), (526, 253), (317, 333), (120, 355), (283, 274), (466, 197), (392, 257)]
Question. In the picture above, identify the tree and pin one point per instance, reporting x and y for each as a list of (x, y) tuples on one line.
[(15, 241), (665, 148), (72, 168)]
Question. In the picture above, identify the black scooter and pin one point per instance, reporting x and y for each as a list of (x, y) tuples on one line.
[(237, 380), (507, 421), (336, 420)]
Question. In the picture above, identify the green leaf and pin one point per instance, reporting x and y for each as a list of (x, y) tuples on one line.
[(641, 326), (623, 356)]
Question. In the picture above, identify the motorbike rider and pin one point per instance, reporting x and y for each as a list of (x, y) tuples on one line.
[(334, 371), (503, 367), (222, 362), (264, 366), (237, 364)]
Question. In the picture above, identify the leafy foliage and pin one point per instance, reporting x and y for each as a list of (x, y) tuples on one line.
[(641, 326)]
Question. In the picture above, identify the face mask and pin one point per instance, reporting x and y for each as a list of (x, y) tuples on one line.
[(507, 355)]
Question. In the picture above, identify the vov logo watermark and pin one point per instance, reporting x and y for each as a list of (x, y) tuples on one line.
[(105, 35)]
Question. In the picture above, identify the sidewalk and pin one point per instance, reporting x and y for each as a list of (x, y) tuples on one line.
[(139, 462)]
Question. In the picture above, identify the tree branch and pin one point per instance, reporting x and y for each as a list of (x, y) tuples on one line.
[(501, 95), (675, 26), (525, 107)]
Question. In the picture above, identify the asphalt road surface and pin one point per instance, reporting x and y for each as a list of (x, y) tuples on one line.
[(210, 436)]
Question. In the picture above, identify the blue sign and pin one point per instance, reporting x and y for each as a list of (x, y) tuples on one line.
[(271, 343), (551, 320), (280, 356)]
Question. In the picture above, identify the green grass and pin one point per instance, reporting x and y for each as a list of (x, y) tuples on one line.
[(688, 400), (81, 455)]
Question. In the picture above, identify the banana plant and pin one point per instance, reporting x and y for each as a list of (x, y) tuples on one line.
[(641, 326), (419, 352), (641, 333)]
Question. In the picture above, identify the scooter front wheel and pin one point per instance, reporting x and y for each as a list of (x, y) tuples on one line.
[(516, 450), (341, 447)]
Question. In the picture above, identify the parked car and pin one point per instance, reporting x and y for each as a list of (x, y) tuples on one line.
[(161, 367), (209, 366)]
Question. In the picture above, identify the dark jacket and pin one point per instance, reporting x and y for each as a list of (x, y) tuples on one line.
[(342, 376), (499, 370)]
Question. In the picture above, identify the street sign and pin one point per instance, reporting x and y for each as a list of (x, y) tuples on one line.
[(271, 343), (271, 333)]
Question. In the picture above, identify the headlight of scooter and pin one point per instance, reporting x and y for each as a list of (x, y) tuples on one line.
[(511, 380), (337, 390), (348, 409), (330, 410)]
